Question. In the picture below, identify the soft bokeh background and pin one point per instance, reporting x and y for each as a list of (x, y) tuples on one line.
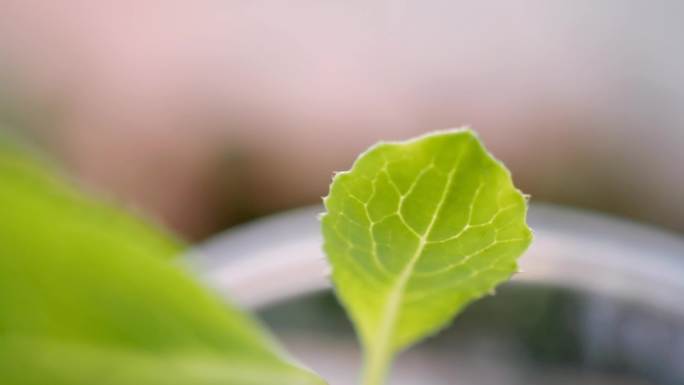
[(207, 113)]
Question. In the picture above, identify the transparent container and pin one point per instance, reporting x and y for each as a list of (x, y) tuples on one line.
[(599, 301)]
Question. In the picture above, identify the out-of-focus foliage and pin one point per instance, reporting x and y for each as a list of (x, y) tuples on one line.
[(88, 296)]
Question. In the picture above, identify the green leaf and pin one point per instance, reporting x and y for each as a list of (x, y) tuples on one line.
[(414, 232), (88, 296)]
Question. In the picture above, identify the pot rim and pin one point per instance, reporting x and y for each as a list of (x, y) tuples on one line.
[(280, 257)]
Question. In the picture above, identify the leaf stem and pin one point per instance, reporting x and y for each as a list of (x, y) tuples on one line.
[(376, 366)]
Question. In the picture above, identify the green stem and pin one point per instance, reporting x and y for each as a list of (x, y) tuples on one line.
[(376, 366)]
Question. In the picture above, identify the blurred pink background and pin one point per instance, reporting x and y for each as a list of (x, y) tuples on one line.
[(206, 113)]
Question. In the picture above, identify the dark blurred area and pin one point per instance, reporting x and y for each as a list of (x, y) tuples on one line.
[(531, 335), (208, 113)]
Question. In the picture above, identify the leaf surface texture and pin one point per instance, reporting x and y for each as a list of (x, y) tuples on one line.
[(415, 231)]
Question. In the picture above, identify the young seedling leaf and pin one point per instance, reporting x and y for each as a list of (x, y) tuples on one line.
[(414, 232), (88, 296)]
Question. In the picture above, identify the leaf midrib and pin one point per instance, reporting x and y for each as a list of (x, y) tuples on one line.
[(391, 312)]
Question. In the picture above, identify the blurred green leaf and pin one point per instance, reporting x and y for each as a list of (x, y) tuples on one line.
[(414, 232), (88, 296)]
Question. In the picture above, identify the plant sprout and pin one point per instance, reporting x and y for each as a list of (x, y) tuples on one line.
[(414, 232), (89, 294)]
